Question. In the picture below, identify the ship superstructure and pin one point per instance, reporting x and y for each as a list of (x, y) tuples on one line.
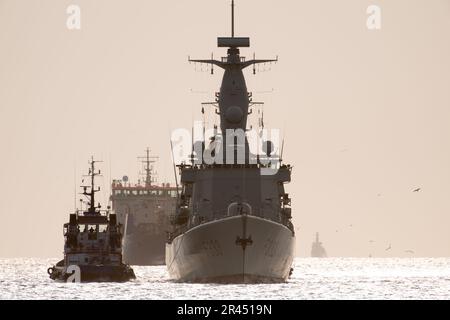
[(93, 243), (233, 219), (144, 209)]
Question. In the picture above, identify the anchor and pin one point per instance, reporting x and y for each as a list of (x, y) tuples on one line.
[(244, 242)]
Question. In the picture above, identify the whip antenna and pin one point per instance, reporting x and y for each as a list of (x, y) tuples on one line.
[(174, 166)]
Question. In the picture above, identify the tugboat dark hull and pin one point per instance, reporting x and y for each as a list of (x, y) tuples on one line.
[(238, 249), (95, 273)]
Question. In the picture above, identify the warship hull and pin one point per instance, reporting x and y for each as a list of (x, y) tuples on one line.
[(144, 249), (238, 249)]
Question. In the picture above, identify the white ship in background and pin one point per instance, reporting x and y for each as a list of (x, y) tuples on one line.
[(144, 209)]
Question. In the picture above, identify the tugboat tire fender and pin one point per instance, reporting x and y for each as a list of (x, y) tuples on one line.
[(50, 270)]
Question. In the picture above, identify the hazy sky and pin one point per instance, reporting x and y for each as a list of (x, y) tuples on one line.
[(366, 113)]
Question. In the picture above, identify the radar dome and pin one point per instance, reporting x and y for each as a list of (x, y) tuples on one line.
[(234, 114)]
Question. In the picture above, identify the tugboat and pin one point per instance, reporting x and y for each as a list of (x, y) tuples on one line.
[(233, 219), (93, 244)]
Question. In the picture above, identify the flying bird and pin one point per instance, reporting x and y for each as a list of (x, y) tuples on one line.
[(409, 251), (417, 190)]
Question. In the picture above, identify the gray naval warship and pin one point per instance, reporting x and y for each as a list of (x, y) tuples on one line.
[(92, 248), (233, 220), (144, 209)]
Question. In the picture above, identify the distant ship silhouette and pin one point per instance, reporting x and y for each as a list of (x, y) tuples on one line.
[(317, 250)]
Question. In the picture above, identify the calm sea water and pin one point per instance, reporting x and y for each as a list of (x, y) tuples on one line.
[(331, 278)]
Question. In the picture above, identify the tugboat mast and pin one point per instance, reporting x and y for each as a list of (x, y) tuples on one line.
[(91, 195)]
